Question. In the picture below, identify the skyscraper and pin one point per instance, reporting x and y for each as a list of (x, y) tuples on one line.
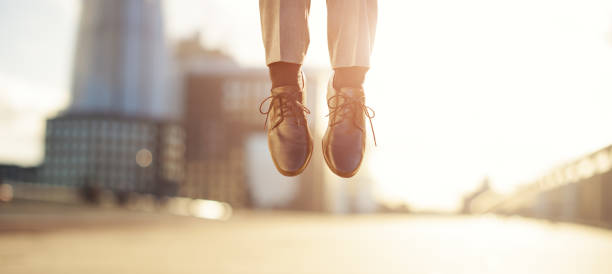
[(120, 132), (122, 64)]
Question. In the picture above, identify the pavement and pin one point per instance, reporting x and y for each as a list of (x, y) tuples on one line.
[(55, 238)]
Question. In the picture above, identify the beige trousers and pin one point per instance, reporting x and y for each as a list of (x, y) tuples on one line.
[(351, 26)]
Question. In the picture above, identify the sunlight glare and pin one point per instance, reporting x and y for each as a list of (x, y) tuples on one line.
[(208, 209), (464, 90)]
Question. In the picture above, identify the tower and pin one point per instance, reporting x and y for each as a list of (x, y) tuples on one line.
[(119, 132), (122, 64)]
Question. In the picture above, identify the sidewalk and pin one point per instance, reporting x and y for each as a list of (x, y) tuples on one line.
[(66, 240)]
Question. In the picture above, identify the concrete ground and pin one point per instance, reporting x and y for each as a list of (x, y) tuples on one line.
[(54, 238)]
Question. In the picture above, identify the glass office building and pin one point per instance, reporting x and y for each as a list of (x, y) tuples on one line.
[(113, 152)]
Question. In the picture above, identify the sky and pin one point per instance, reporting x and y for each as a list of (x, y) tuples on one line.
[(461, 89)]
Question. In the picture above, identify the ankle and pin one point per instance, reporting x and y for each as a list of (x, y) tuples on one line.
[(285, 74), (349, 77)]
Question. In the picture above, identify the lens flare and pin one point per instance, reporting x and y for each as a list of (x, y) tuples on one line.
[(207, 209)]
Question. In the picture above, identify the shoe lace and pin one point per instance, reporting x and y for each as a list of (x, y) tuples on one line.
[(289, 104), (350, 108)]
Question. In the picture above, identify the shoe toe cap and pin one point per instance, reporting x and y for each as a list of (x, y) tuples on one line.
[(345, 160), (290, 160), (344, 153), (290, 150)]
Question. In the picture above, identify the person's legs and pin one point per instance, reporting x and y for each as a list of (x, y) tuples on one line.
[(284, 25), (351, 26)]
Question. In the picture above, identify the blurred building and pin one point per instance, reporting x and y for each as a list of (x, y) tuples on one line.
[(216, 132), (122, 64), (227, 151), (121, 131), (18, 173), (480, 199), (114, 152), (227, 157)]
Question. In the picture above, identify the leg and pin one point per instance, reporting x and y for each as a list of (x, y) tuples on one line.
[(284, 27), (351, 27)]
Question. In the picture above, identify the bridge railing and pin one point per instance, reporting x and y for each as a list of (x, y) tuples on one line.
[(528, 197)]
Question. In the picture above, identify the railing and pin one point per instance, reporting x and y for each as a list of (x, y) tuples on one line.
[(586, 167), (581, 169)]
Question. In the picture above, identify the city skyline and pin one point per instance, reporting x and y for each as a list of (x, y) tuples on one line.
[(485, 94)]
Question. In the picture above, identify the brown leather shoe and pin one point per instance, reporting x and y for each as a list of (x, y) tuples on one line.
[(289, 138), (345, 138)]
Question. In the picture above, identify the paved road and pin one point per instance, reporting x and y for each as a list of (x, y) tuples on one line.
[(63, 239)]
